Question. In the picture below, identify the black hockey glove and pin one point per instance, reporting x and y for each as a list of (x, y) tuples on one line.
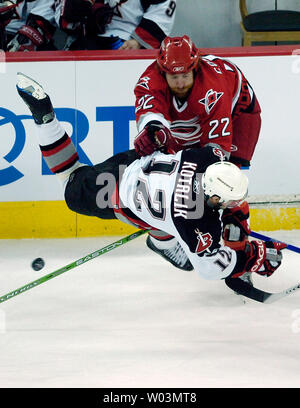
[(93, 14), (102, 15), (77, 10), (7, 12)]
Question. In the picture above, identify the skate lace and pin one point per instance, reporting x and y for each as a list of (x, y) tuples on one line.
[(177, 254)]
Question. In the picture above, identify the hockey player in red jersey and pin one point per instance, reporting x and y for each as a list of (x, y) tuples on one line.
[(185, 99), (179, 193)]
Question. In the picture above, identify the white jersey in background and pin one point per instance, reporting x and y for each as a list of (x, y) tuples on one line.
[(43, 8), (147, 21)]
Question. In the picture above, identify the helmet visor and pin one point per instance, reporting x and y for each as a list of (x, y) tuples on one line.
[(233, 203)]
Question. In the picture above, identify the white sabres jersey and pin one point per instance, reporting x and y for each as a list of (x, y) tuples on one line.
[(148, 21), (44, 8), (164, 192)]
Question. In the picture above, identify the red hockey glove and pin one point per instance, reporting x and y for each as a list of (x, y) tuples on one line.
[(236, 226), (30, 37), (154, 136), (260, 257)]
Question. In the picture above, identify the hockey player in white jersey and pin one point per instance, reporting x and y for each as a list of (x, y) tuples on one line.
[(117, 24), (30, 24), (180, 194)]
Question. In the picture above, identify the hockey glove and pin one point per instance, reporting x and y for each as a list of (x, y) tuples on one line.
[(260, 257), (7, 12), (36, 33), (102, 15), (154, 136), (94, 14), (236, 226), (76, 10)]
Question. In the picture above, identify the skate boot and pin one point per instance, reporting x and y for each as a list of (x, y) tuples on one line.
[(36, 99), (175, 255)]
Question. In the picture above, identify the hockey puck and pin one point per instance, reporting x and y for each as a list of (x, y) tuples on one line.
[(38, 264)]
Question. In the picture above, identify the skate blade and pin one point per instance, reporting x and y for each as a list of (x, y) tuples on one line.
[(30, 86)]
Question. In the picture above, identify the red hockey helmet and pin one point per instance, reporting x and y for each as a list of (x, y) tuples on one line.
[(177, 55)]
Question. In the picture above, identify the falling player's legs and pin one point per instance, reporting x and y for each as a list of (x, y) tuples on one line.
[(85, 192), (169, 248)]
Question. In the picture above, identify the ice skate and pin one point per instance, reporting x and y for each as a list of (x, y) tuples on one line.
[(176, 255), (36, 99)]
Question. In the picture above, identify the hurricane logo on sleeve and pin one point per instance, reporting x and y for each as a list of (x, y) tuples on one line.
[(144, 82), (218, 152), (210, 99)]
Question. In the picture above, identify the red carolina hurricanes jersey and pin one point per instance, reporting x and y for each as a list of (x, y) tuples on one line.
[(219, 94)]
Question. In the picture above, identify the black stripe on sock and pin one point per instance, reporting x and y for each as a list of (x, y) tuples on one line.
[(55, 144)]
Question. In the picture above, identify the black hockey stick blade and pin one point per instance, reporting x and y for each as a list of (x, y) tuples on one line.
[(247, 290)]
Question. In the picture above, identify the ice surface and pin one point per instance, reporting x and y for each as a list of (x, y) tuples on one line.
[(130, 319)]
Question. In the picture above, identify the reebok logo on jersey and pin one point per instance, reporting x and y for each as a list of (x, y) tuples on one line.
[(196, 186), (210, 99)]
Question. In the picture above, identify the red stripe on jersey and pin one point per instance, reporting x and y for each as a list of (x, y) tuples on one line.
[(161, 238), (147, 37)]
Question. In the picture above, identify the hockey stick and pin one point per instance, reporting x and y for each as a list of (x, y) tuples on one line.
[(72, 265), (245, 289), (266, 238)]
